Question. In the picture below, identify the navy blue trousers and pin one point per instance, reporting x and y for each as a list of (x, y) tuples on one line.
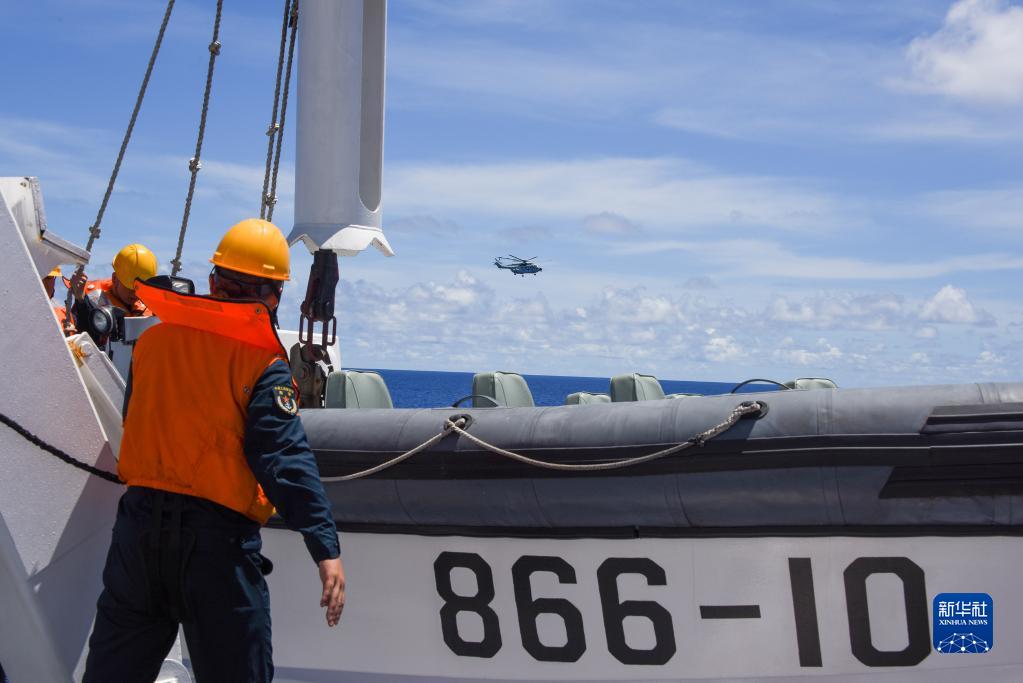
[(174, 560)]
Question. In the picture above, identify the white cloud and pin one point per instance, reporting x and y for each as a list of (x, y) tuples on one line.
[(423, 225), (925, 126), (770, 259), (531, 80), (989, 358), (608, 223), (823, 355), (700, 282), (977, 55), (997, 209), (461, 323), (527, 233), (704, 122), (722, 349), (55, 153), (666, 193), (482, 12), (950, 305), (849, 311)]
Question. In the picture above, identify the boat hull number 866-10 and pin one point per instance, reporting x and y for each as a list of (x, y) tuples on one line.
[(616, 607)]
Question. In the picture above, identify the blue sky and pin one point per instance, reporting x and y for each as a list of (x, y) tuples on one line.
[(715, 190)]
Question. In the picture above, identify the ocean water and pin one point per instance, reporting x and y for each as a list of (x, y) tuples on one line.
[(429, 389)]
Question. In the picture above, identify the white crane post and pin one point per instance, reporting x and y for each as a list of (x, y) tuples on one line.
[(339, 157)]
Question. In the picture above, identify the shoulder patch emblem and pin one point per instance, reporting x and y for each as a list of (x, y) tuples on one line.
[(284, 397)]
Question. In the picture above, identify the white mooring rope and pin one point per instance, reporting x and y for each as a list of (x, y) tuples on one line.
[(458, 426)]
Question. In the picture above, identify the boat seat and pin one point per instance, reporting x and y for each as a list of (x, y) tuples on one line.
[(509, 389), (582, 397), (811, 383), (635, 387), (356, 389)]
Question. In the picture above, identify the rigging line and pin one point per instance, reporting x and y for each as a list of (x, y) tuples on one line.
[(53, 450), (436, 438), (743, 409), (194, 164), (284, 110), (271, 131), (459, 426), (94, 229)]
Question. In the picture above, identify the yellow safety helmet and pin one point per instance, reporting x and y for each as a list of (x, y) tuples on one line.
[(134, 262), (254, 247), (54, 273)]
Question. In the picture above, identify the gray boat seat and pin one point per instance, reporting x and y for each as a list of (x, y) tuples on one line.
[(811, 383), (583, 397), (356, 389), (635, 387), (509, 389)]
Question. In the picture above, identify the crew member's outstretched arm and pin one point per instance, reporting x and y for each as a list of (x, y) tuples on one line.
[(278, 453)]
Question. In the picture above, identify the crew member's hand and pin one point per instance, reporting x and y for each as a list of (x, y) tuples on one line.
[(78, 281), (332, 576)]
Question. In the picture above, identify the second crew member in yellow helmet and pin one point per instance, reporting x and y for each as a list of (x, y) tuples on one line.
[(212, 446), (49, 284), (133, 262)]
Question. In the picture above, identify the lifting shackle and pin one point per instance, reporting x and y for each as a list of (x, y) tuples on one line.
[(318, 306)]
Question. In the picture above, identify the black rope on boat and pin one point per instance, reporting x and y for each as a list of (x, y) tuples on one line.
[(53, 450), (740, 385)]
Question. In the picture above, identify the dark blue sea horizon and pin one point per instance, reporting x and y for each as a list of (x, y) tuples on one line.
[(434, 389)]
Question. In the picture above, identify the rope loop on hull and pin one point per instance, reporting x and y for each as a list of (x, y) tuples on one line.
[(459, 425)]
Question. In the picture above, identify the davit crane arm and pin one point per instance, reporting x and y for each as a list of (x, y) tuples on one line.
[(339, 162)]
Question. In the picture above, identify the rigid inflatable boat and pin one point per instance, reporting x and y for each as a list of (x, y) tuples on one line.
[(816, 537), (807, 534)]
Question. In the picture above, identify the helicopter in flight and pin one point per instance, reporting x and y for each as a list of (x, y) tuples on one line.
[(518, 266)]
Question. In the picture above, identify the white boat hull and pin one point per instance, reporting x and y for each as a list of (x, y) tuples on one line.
[(872, 616)]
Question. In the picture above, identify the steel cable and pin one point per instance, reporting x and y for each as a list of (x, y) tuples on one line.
[(271, 131), (195, 163), (94, 229), (271, 198)]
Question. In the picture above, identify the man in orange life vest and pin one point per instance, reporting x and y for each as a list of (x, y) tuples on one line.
[(50, 285), (133, 262), (212, 444)]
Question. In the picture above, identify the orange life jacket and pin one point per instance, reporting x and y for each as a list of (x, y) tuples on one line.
[(106, 287), (60, 312), (192, 378)]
